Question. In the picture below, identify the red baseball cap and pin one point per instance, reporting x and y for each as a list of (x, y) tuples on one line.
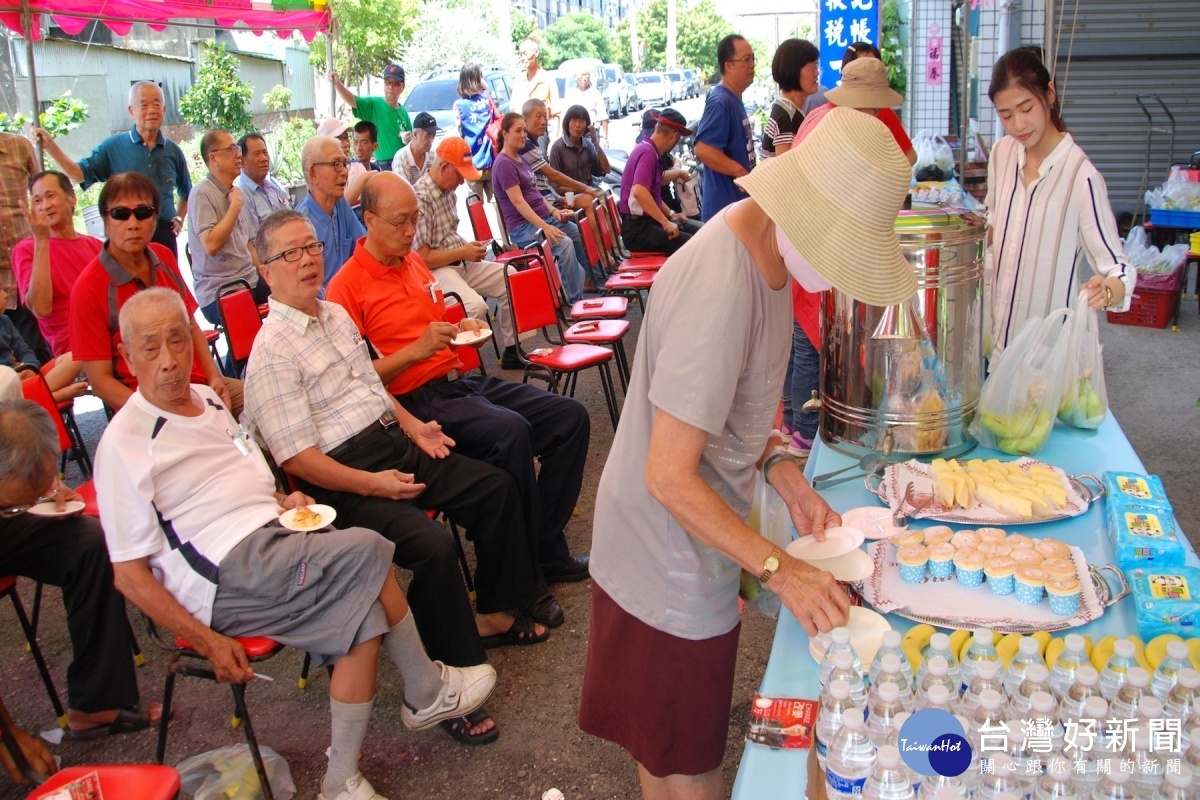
[(456, 151)]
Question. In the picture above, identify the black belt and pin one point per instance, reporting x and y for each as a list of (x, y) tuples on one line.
[(386, 420)]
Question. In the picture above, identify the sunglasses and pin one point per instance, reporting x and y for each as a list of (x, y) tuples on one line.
[(122, 213)]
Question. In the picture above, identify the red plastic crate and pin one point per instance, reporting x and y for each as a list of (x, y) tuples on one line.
[(1150, 308)]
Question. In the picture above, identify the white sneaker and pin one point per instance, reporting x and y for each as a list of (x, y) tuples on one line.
[(357, 788), (464, 689)]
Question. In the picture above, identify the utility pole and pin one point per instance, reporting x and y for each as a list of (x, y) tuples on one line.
[(635, 56), (672, 29)]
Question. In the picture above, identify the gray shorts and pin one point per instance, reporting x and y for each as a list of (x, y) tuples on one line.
[(318, 592)]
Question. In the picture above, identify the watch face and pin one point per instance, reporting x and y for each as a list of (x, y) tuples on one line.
[(771, 564)]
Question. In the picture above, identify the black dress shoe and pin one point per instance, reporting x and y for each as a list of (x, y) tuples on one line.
[(547, 611), (510, 360), (572, 570)]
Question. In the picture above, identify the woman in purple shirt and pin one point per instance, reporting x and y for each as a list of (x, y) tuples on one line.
[(525, 212)]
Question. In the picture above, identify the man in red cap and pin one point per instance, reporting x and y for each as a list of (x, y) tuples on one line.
[(647, 223)]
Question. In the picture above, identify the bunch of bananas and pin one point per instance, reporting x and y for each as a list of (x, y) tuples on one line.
[(1148, 655)]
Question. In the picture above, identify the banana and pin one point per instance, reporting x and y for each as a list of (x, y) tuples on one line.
[(1156, 651), (915, 642), (958, 641), (1140, 653), (1053, 651), (1194, 648), (1087, 645), (1007, 647), (1102, 652), (1044, 640)]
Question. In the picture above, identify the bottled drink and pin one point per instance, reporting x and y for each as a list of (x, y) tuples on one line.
[(1150, 708), (889, 780), (839, 642), (1072, 658), (1096, 708), (1148, 764), (844, 669), (1116, 785), (1125, 704), (850, 759), (1029, 653), (1182, 701), (936, 674), (939, 647), (987, 676), (989, 714), (890, 674), (938, 696), (1025, 774), (884, 707), (1056, 784), (941, 787), (1176, 786), (1117, 669), (1191, 756), (1043, 709), (1168, 669), (829, 718), (1001, 778), (893, 738), (1037, 679), (891, 647), (981, 650), (1085, 685)]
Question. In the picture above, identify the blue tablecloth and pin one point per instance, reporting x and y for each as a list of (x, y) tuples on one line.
[(791, 672)]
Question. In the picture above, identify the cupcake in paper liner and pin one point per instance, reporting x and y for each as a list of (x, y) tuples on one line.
[(1000, 574), (966, 540), (997, 547), (1030, 584), (1064, 595), (1059, 568), (990, 534), (1018, 540), (910, 538), (1026, 557), (968, 567), (938, 534), (1052, 548), (941, 560), (912, 559)]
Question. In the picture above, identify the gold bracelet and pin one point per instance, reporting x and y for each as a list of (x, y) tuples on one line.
[(1108, 296)]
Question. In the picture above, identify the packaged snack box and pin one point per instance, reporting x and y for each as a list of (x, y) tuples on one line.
[(1144, 536), (1167, 601), (1131, 487)]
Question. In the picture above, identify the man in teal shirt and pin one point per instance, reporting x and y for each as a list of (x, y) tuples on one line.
[(390, 117)]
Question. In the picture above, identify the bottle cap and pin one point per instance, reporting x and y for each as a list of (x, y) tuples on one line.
[(1189, 678), (1087, 675), (1138, 677), (890, 663), (1115, 774), (901, 718), (889, 757), (1042, 702), (939, 641), (1001, 763), (1074, 642), (1150, 707), (939, 695), (1037, 673), (1177, 650), (891, 638), (983, 636), (840, 636), (990, 699), (843, 660), (938, 666), (1180, 780), (839, 689), (1058, 769), (889, 692), (987, 669), (1124, 648), (947, 793), (1029, 646), (853, 718), (1095, 708)]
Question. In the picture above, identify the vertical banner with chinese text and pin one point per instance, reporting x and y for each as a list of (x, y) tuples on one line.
[(842, 23)]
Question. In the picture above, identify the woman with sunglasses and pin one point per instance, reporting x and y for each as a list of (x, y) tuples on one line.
[(130, 262)]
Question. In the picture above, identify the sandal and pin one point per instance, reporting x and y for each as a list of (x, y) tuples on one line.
[(523, 631), (128, 720), (459, 728)]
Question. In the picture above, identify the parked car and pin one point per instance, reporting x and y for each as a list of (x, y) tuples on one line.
[(678, 90), (618, 88), (692, 81), (437, 93), (573, 66), (653, 88), (635, 98)]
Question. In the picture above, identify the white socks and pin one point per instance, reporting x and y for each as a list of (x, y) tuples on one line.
[(422, 678), (349, 728)]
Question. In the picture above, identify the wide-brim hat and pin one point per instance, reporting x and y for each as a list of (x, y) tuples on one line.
[(849, 237), (864, 85)]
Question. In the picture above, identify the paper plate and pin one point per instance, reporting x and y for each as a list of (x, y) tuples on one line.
[(873, 521), (866, 635), (849, 567), (472, 338), (49, 509), (837, 541), (327, 516)]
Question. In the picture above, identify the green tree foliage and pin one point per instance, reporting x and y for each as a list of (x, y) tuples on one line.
[(279, 99), (369, 32), (700, 27), (64, 115), (450, 36), (892, 47), (14, 123), (523, 26), (286, 144), (579, 35), (219, 98)]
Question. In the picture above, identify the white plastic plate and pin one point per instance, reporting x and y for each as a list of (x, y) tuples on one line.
[(327, 516)]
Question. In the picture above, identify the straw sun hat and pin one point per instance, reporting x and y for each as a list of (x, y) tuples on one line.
[(864, 85), (836, 196)]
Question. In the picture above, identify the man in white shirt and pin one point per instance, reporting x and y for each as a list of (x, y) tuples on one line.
[(586, 95), (262, 194), (413, 161), (185, 492)]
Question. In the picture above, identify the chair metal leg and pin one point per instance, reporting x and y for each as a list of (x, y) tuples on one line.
[(36, 614), (139, 660), (462, 559), (610, 395), (239, 701), (168, 692), (495, 337), (82, 457), (43, 670)]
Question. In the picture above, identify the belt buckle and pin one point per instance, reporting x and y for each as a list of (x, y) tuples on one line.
[(453, 375), (388, 419)]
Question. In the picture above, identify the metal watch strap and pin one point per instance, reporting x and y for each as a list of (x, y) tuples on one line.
[(767, 572)]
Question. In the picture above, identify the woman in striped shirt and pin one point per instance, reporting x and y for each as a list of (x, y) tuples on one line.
[(1047, 207)]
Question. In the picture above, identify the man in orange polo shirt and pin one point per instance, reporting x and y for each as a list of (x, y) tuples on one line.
[(396, 303)]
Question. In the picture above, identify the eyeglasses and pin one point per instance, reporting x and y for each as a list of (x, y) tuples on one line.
[(231, 148), (122, 213), (401, 223), (295, 253), (16, 511), (746, 59), (342, 164), (812, 66)]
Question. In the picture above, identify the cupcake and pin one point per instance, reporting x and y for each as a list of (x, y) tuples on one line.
[(912, 559), (1031, 584), (941, 560), (1026, 557), (1064, 595), (965, 540), (1016, 540), (999, 571), (997, 548), (938, 534), (968, 567), (910, 538), (990, 534), (1052, 548), (1059, 568)]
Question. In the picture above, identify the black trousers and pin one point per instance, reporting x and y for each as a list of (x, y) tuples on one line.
[(164, 234), (479, 498), (640, 232), (71, 553), (507, 425)]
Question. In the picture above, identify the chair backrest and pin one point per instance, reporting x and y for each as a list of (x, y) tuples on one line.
[(477, 212), (239, 317), (36, 389), (611, 229), (531, 300), (589, 239), (545, 258), (456, 312)]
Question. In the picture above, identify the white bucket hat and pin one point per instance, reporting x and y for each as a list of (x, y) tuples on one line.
[(836, 196), (864, 85)]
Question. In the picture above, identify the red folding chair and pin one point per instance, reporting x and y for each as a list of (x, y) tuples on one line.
[(640, 259), (603, 307), (532, 302), (241, 320), (626, 282), (482, 229), (456, 312)]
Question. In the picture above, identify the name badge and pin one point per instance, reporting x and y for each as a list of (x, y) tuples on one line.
[(241, 440)]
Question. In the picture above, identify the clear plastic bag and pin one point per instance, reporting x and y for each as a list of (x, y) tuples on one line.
[(770, 517), (227, 773), (1018, 401), (1178, 193), (1085, 400), (1156, 269)]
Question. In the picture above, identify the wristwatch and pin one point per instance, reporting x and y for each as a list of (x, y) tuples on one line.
[(771, 565), (776, 455)]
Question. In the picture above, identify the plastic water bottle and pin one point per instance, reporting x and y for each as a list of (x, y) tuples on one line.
[(941, 787), (1043, 709), (1029, 653), (938, 696), (884, 707), (989, 714), (1191, 756), (1056, 784), (1117, 669), (936, 674), (849, 760), (1062, 675), (987, 676), (1116, 785), (1168, 669), (893, 738), (1148, 764), (844, 669), (1183, 699), (1125, 704), (890, 674), (889, 780), (1037, 679), (1085, 685), (829, 718), (1024, 761), (1150, 708), (891, 647), (1096, 708), (1176, 786), (981, 650), (1001, 778), (939, 647), (839, 642)]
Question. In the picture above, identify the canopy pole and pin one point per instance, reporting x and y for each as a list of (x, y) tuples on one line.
[(27, 24), (964, 156), (329, 60)]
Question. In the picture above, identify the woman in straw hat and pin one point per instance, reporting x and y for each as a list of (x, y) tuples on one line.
[(669, 543), (865, 88), (1047, 206)]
